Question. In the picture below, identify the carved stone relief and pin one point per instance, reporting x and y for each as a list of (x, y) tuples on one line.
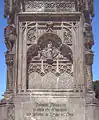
[(10, 37), (11, 112), (50, 81), (67, 37), (31, 36), (88, 36), (89, 42), (50, 68), (35, 30), (48, 51), (88, 69), (91, 7), (9, 62), (49, 6), (49, 56)]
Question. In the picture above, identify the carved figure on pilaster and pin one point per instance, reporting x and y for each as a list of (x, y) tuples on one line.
[(10, 37)]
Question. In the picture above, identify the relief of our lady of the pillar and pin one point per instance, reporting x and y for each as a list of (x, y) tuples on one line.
[(50, 64)]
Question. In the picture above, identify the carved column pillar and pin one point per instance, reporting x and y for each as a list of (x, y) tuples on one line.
[(89, 61), (89, 42), (9, 62), (78, 58), (24, 59), (19, 77)]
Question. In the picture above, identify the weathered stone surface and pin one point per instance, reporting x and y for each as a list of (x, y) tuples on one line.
[(49, 61)]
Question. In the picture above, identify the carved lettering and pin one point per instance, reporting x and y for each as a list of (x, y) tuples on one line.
[(50, 110)]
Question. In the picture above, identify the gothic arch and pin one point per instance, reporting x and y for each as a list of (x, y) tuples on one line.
[(48, 52), (43, 42)]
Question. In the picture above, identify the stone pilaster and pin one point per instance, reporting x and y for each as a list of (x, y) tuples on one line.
[(9, 62), (78, 57), (89, 61)]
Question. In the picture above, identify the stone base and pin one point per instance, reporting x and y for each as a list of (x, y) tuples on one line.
[(51, 106)]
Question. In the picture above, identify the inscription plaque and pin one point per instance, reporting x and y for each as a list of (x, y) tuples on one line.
[(47, 111)]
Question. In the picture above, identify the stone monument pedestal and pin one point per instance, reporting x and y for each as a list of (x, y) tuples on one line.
[(55, 106), (49, 61)]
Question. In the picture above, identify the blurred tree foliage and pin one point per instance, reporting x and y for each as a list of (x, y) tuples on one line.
[(96, 88)]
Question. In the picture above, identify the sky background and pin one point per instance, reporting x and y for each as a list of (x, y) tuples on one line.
[(3, 23)]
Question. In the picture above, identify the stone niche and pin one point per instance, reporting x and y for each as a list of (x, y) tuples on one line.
[(49, 64), (47, 51)]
